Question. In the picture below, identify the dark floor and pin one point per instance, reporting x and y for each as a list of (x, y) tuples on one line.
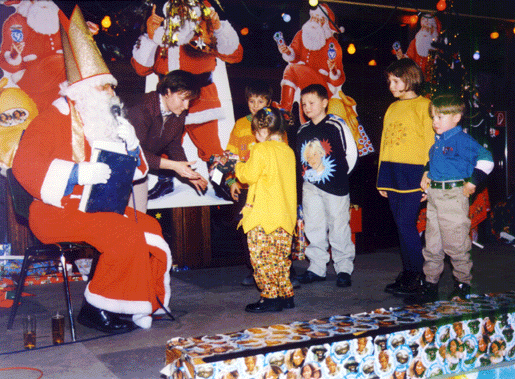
[(211, 301)]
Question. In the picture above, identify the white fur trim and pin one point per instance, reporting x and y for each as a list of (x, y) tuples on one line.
[(227, 38), (143, 321), (160, 243), (205, 116), (323, 72), (335, 76), (174, 60), (13, 62), (144, 51), (158, 35), (56, 179), (30, 58), (16, 77), (117, 306), (62, 105), (289, 57)]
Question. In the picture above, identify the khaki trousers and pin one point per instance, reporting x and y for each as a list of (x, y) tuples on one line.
[(447, 232)]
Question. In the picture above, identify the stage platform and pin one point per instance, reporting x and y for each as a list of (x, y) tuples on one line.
[(441, 338)]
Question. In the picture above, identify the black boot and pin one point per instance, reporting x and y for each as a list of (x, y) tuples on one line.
[(265, 305), (461, 292), (99, 319), (410, 285), (288, 302), (392, 287), (428, 293), (163, 186)]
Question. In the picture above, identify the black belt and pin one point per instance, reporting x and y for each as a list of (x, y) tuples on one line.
[(447, 185)]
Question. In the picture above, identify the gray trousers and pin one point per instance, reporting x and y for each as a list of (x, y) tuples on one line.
[(326, 219), (447, 232)]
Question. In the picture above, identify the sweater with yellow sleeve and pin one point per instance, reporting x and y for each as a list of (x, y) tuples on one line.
[(272, 197), (407, 136)]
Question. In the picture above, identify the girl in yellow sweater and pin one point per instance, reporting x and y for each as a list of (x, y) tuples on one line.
[(270, 214)]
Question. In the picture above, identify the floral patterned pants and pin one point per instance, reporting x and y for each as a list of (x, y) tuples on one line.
[(269, 254)]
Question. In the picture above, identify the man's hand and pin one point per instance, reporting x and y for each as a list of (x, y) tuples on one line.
[(184, 170), (200, 184), (153, 22), (469, 189), (93, 173), (127, 133), (383, 193), (235, 191)]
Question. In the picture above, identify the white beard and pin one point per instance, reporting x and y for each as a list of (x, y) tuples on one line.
[(314, 36), (94, 108), (423, 41), (43, 17)]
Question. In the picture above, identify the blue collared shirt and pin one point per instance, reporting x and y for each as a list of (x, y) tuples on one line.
[(455, 155)]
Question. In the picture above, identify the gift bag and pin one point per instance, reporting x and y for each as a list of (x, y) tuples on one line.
[(298, 250)]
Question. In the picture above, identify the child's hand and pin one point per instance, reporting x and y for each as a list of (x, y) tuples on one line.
[(235, 191), (425, 182), (383, 193), (469, 189)]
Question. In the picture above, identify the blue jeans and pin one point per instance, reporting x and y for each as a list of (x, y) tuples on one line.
[(405, 208)]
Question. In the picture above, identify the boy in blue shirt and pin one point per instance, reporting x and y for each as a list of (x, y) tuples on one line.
[(457, 164)]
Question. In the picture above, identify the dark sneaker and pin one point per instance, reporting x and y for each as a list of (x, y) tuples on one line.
[(428, 293), (265, 305), (343, 280), (410, 285), (461, 292), (310, 277), (392, 287)]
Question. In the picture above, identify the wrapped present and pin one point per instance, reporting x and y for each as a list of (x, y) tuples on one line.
[(298, 251), (221, 173)]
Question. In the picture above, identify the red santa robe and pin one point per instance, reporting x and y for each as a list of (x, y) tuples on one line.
[(42, 58), (135, 260), (310, 66), (201, 122)]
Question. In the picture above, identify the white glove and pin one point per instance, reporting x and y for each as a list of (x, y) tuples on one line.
[(93, 173), (127, 133)]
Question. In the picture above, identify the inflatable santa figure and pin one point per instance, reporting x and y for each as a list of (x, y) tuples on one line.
[(191, 37), (420, 47), (314, 56), (31, 51)]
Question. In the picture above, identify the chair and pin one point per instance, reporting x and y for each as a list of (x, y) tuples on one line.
[(58, 252)]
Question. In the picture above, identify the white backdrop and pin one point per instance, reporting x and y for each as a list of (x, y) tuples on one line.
[(184, 195)]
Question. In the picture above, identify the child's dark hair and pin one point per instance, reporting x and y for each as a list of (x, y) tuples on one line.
[(179, 81), (449, 103), (258, 88), (273, 119), (409, 72), (317, 89)]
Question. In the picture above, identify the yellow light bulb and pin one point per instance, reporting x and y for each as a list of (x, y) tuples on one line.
[(313, 3), (494, 35), (372, 63), (351, 49), (106, 22)]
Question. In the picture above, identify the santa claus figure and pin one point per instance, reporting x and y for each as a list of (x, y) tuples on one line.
[(31, 50), (191, 37), (314, 56), (54, 164), (420, 47)]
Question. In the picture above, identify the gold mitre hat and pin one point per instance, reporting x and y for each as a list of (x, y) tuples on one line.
[(82, 58)]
